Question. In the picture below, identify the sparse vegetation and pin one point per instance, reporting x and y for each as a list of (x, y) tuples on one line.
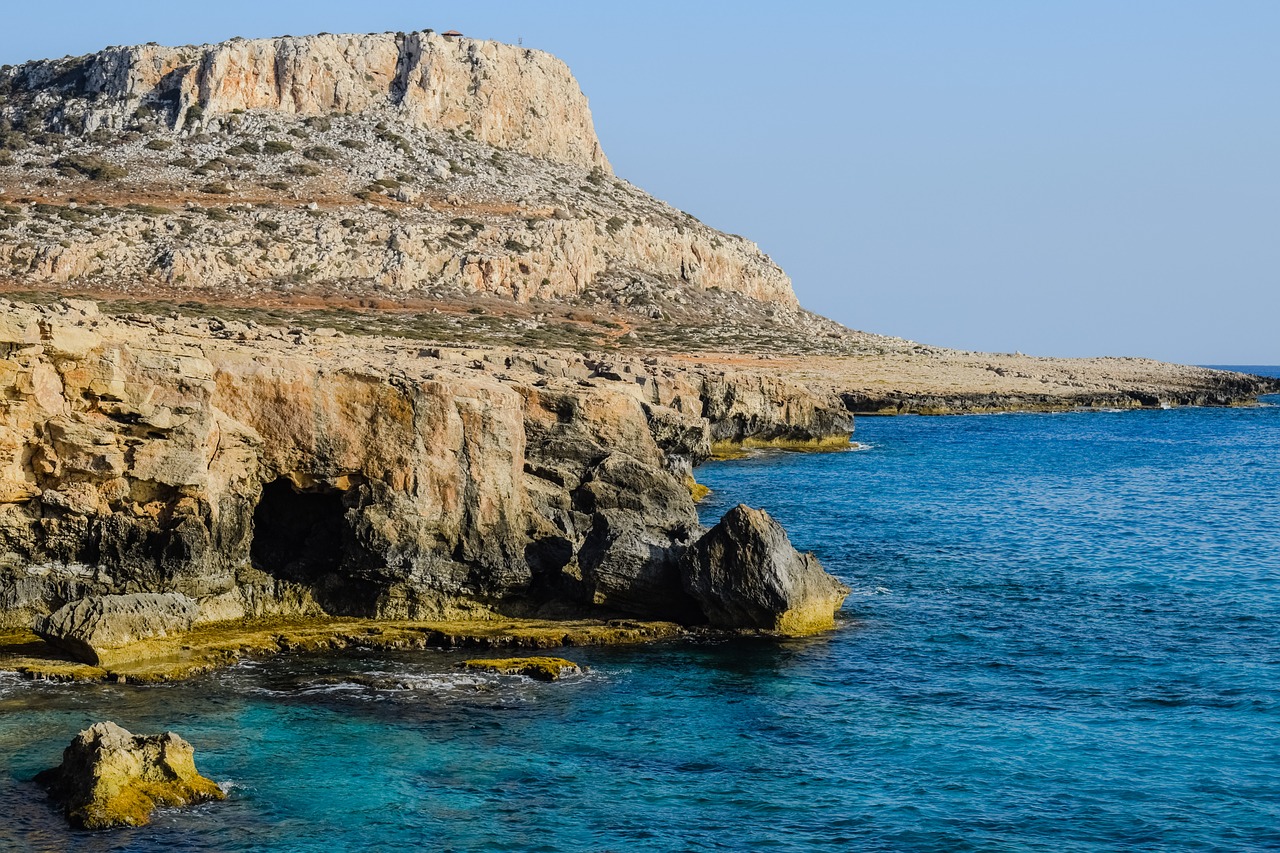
[(93, 168), (149, 209), (321, 153), (159, 145), (276, 146), (395, 140)]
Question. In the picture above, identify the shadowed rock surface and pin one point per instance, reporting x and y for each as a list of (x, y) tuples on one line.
[(744, 573), (111, 778), (90, 628)]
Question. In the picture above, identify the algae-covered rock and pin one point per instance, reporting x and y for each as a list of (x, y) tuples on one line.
[(745, 573), (537, 668), (91, 627), (110, 778)]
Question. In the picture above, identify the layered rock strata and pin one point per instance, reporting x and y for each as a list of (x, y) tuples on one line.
[(502, 95), (110, 778), (342, 477), (393, 162)]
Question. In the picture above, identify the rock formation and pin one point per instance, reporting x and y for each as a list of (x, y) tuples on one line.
[(745, 573), (537, 668), (390, 163), (111, 778), (91, 627), (329, 476), (504, 96), (415, 371)]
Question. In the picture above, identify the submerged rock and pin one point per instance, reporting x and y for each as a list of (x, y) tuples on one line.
[(91, 627), (537, 668), (110, 778), (745, 573)]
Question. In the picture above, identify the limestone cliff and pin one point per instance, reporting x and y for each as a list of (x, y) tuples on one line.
[(504, 96), (360, 477), (386, 163)]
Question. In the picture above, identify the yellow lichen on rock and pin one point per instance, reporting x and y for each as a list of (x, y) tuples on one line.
[(110, 777), (738, 449), (537, 668), (697, 490), (209, 647)]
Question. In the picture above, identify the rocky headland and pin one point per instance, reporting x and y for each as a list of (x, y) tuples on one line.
[(365, 327)]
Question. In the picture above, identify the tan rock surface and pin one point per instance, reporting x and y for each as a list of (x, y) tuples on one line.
[(505, 96), (366, 477), (110, 778)]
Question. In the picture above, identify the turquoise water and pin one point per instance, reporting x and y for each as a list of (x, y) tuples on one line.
[(1064, 635)]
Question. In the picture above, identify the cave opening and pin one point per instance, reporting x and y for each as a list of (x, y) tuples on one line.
[(297, 535)]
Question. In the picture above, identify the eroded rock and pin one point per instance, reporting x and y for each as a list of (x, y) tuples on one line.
[(111, 778), (746, 574), (89, 629), (537, 668), (358, 476)]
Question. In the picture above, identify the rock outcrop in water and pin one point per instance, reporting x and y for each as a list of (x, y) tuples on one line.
[(745, 573), (537, 668), (110, 778)]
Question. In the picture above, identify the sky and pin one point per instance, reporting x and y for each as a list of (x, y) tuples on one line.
[(1059, 177)]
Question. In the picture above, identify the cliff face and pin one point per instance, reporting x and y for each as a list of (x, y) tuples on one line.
[(353, 477), (392, 162), (504, 96)]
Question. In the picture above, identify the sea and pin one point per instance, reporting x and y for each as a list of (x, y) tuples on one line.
[(1064, 635)]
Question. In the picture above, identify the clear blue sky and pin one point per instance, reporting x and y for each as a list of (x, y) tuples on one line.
[(1060, 178)]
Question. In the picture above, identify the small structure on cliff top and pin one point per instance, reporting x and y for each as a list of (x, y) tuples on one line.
[(451, 34)]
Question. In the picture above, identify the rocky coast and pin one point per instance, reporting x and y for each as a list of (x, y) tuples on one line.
[(344, 340)]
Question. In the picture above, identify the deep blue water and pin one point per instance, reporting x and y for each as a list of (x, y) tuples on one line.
[(1064, 635)]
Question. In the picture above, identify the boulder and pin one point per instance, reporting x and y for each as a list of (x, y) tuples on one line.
[(110, 778), (745, 574), (90, 628)]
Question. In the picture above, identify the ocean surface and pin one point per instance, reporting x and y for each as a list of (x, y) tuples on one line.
[(1064, 635)]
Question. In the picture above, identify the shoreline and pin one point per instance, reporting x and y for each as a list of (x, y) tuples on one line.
[(218, 645)]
